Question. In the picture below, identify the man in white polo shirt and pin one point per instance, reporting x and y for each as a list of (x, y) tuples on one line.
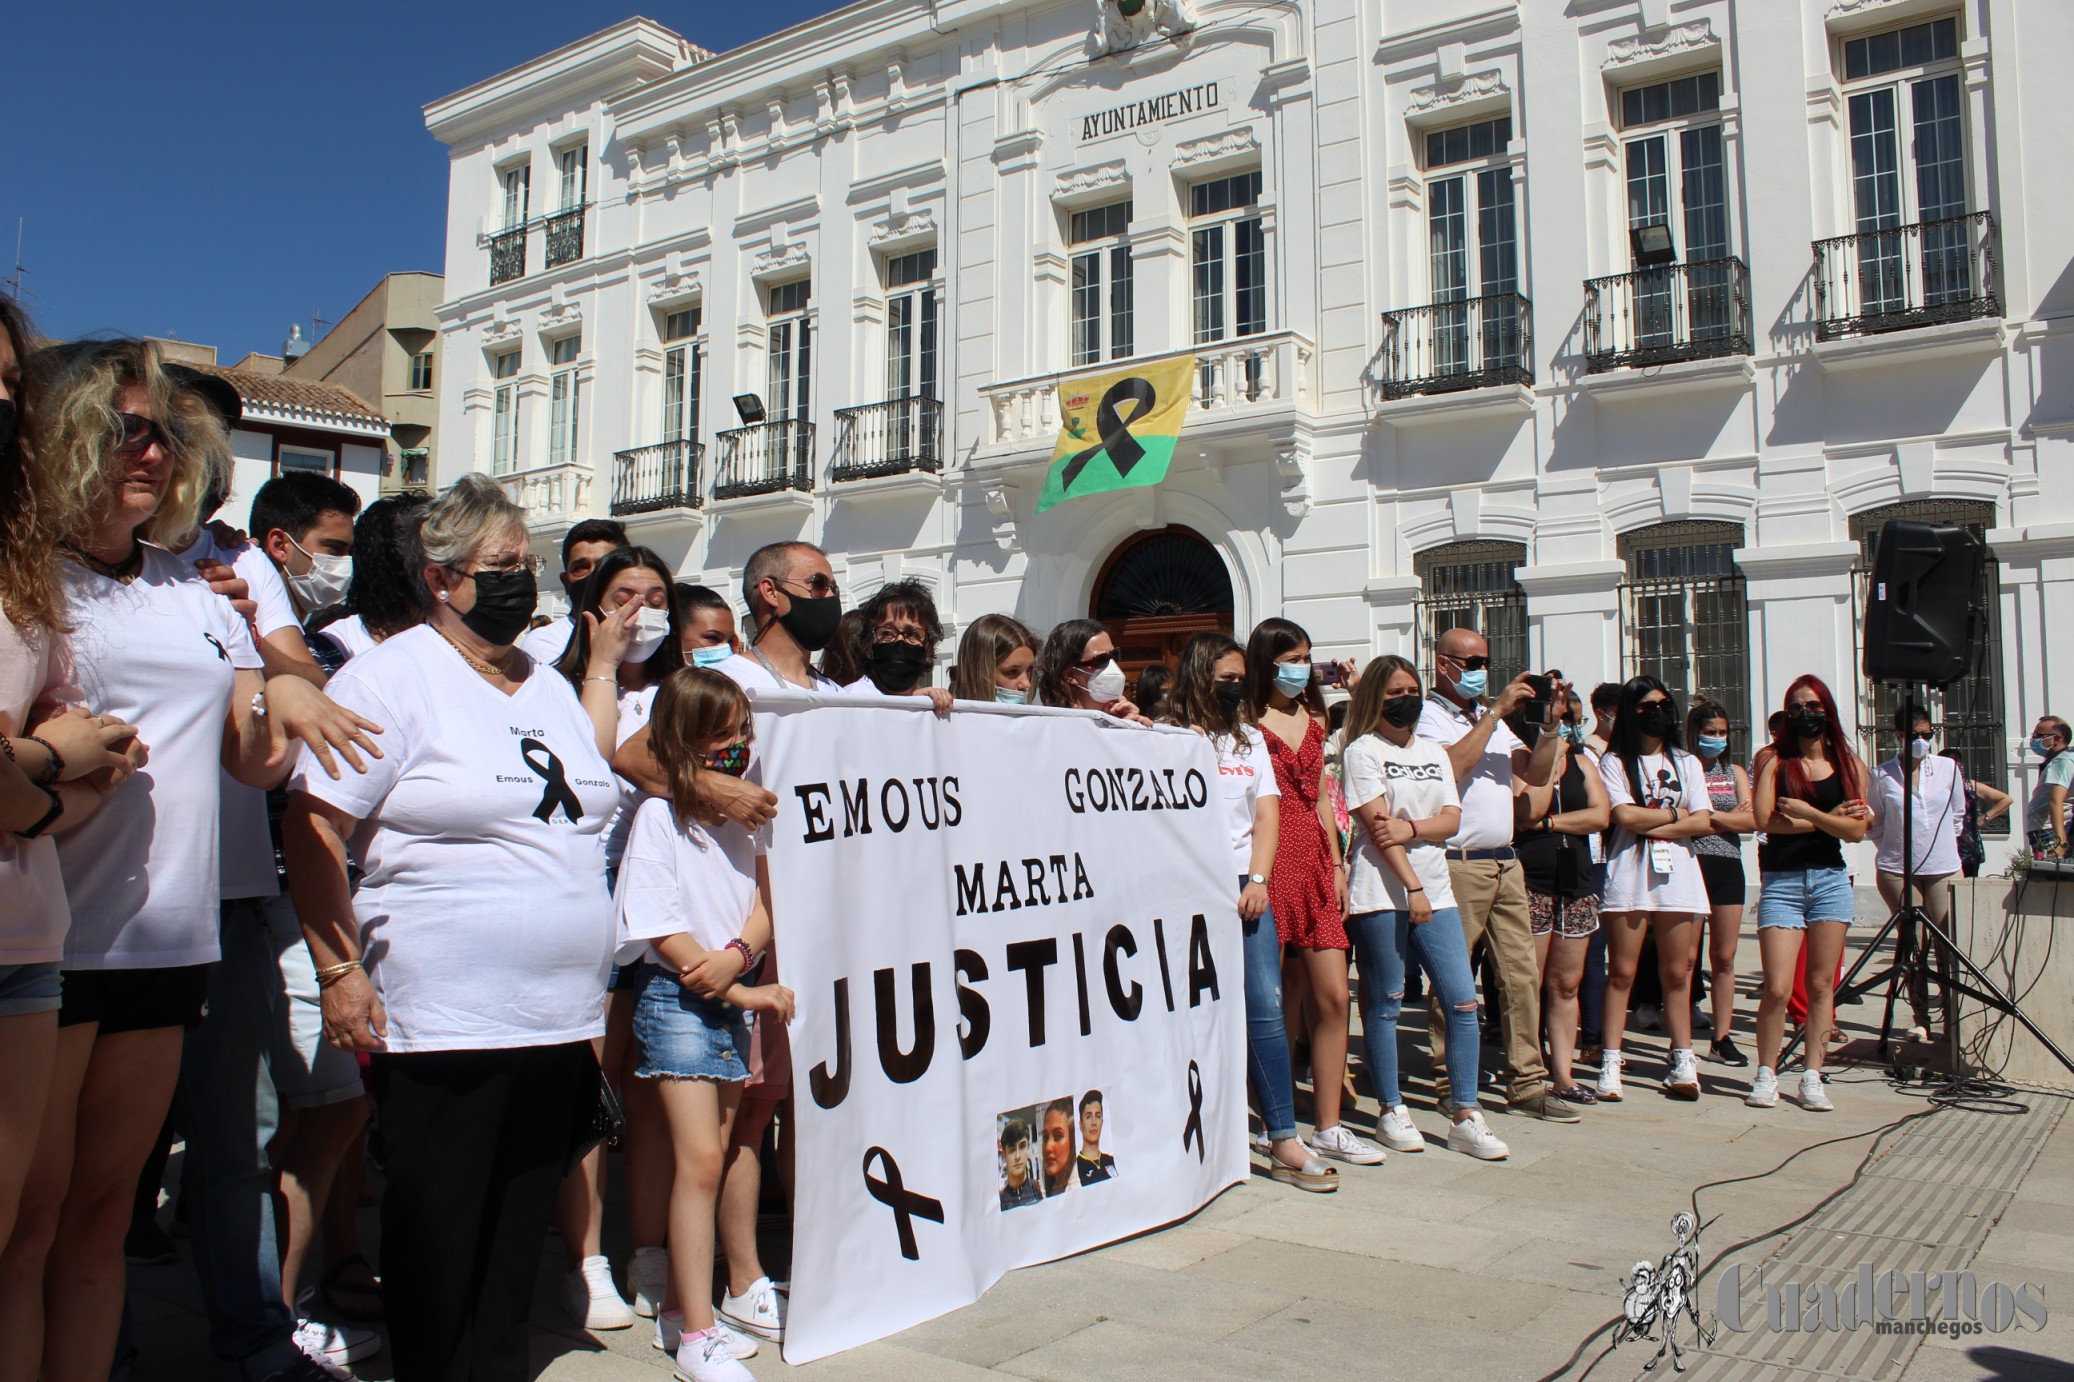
[(1490, 887)]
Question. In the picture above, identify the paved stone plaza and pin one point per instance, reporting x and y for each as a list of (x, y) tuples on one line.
[(1436, 1263)]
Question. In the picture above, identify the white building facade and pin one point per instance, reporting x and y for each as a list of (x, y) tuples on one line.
[(1613, 328)]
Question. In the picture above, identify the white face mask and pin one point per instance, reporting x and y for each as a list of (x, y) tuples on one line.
[(1106, 685), (650, 627), (324, 584)]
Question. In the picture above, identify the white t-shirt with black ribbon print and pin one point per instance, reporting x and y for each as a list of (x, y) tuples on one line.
[(1633, 883), (483, 914)]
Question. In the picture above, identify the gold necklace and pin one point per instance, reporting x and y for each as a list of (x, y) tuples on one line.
[(486, 668)]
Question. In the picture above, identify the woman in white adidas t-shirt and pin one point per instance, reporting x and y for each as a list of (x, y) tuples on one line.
[(471, 960)]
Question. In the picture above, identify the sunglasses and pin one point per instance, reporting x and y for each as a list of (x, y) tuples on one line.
[(1470, 664), (819, 587), (138, 433), (1096, 663)]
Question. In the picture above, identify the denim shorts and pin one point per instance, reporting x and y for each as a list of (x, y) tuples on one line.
[(1795, 898), (29, 989), (684, 1036)]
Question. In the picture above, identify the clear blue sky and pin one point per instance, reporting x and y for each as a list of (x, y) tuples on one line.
[(210, 170)]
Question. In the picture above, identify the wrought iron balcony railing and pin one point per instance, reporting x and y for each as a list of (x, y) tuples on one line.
[(765, 459), (663, 476), (891, 438), (1907, 276), (507, 256), (1697, 311), (1469, 343), (564, 236)]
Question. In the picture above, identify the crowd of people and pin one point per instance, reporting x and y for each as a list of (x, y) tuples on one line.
[(321, 850)]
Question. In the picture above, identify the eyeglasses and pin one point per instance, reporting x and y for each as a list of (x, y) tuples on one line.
[(893, 635), (1469, 664), (528, 562), (1095, 663), (818, 586), (138, 433)]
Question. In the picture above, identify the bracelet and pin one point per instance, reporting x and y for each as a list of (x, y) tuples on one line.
[(57, 760), (330, 973), (43, 823), (7, 748), (1409, 891), (741, 946), (613, 680)]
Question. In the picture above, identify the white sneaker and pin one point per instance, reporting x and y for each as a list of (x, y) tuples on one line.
[(760, 1310), (1764, 1088), (710, 1358), (1646, 1019), (1684, 1080), (592, 1300), (669, 1335), (1398, 1132), (1608, 1088), (1342, 1144), (648, 1277), (1813, 1097), (334, 1343), (1473, 1136)]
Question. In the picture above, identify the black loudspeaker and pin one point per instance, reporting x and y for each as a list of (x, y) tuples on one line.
[(1919, 622)]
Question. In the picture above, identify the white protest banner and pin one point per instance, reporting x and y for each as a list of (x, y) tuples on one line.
[(1021, 1026)]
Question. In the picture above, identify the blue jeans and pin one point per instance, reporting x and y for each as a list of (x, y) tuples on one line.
[(1382, 943), (1267, 1044), (228, 1111)]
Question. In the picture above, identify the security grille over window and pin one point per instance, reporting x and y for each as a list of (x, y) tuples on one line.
[(1165, 574), (1968, 713), (1684, 617), (1471, 585)]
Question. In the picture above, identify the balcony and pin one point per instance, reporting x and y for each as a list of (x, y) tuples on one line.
[(767, 458), (556, 494), (1239, 384), (564, 236), (1698, 311), (1447, 347), (1910, 276), (649, 479), (897, 437), (507, 256)]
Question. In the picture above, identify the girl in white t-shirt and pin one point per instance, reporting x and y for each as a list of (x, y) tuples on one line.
[(694, 909), (1653, 878), (1402, 794)]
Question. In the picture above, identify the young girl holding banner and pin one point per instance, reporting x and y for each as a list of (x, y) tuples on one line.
[(694, 908)]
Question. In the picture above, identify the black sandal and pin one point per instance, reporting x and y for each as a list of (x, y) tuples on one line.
[(348, 1299)]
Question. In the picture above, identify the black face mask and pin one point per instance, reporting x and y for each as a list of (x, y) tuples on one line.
[(10, 440), (1230, 694), (1808, 724), (1403, 712), (894, 668), (812, 620), (504, 603), (1654, 720)]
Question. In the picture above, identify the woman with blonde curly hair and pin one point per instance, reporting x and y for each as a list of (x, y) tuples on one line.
[(153, 646)]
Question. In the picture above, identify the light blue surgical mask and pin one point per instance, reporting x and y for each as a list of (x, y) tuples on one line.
[(2039, 746), (712, 655), (1008, 695), (1292, 677), (1470, 685), (1713, 745), (1573, 733)]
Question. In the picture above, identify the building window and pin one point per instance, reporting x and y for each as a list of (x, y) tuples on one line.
[(911, 366), (573, 164), (564, 400), (1228, 258), (1102, 322), (421, 372), (681, 374), (1472, 244), (1969, 711), (1676, 180), (306, 458), (518, 196), (789, 336), (1684, 617), (1908, 77), (1471, 585), (504, 427)]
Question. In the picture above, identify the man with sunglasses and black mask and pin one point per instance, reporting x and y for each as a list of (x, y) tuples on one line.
[(1489, 886)]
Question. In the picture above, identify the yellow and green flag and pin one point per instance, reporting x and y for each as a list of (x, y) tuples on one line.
[(1119, 430)]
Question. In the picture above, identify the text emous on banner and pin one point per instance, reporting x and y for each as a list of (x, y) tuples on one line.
[(1021, 1002), (1118, 429)]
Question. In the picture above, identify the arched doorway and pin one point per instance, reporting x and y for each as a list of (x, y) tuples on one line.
[(1157, 591)]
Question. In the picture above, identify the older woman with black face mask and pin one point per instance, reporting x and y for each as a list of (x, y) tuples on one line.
[(471, 960), (899, 630)]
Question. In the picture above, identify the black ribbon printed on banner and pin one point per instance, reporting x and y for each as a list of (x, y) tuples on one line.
[(906, 1204), (541, 759), (1193, 1132), (1123, 448)]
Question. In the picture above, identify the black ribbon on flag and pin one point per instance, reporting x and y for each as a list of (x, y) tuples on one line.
[(1123, 448), (906, 1204), (1193, 1132), (558, 792)]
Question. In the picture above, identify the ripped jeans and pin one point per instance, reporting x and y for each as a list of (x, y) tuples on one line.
[(1382, 940)]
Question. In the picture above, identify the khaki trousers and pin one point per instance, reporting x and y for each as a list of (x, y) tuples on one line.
[(1492, 897)]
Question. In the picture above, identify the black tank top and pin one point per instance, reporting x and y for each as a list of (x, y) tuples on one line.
[(1819, 850), (1539, 850)]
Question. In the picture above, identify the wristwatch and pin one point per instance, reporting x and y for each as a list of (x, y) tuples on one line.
[(1259, 878)]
